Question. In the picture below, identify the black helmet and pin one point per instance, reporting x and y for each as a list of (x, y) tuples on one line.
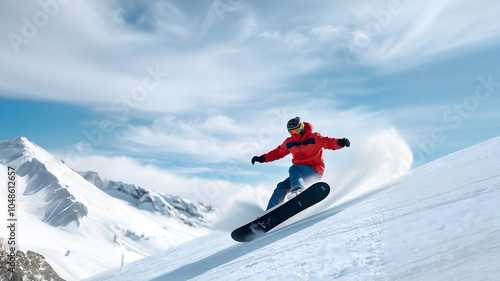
[(295, 126)]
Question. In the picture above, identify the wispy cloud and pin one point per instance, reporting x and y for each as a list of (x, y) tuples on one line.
[(418, 32), (91, 52)]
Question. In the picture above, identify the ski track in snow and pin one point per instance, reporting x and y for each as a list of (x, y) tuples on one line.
[(439, 222)]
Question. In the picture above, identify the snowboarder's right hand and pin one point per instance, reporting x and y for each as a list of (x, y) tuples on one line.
[(260, 159)]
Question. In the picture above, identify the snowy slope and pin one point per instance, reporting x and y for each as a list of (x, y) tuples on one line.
[(438, 222), (80, 229)]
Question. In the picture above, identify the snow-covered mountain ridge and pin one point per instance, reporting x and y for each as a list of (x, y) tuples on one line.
[(72, 222), (438, 222), (185, 210)]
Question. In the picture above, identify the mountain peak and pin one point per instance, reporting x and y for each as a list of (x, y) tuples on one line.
[(19, 143), (19, 150), (56, 205)]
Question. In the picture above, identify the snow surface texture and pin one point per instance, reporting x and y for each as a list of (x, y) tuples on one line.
[(438, 222), (80, 229)]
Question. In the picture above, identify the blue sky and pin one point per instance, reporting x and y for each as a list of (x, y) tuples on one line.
[(185, 91)]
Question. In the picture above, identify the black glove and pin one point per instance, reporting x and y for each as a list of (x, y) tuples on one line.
[(260, 159), (344, 142)]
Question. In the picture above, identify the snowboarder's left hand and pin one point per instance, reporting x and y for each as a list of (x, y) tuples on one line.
[(344, 142), (260, 159)]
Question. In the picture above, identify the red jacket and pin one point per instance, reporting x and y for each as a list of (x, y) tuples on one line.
[(306, 150)]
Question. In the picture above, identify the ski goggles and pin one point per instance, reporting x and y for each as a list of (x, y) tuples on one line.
[(296, 131)]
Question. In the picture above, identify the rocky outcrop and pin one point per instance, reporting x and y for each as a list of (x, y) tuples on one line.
[(28, 266)]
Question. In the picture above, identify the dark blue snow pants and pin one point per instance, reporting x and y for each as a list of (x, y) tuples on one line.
[(298, 174)]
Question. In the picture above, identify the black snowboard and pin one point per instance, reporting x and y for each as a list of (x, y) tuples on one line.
[(312, 195)]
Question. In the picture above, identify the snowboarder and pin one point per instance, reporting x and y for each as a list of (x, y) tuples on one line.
[(306, 147)]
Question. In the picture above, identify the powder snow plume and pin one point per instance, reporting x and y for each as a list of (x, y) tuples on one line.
[(243, 206), (373, 162)]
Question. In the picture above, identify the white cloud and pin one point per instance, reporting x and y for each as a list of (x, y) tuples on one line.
[(211, 139)]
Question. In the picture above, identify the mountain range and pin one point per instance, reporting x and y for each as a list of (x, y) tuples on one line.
[(82, 223)]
